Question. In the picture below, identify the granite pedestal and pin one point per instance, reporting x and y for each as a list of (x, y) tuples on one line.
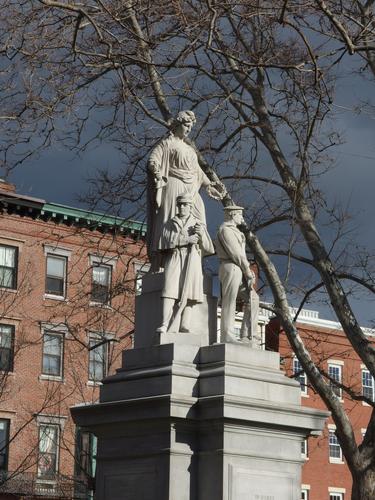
[(148, 314), (182, 421)]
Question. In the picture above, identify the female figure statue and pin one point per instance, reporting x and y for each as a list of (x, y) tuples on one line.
[(174, 170)]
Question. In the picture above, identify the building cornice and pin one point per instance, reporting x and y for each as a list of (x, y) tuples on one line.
[(311, 318), (36, 208)]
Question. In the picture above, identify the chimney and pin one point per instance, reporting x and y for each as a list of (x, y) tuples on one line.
[(7, 186)]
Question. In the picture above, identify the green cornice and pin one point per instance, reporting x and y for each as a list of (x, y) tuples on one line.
[(96, 221)]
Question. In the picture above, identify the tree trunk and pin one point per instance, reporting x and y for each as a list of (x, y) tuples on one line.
[(364, 484)]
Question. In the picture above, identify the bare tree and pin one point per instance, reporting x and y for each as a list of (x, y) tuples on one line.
[(261, 76)]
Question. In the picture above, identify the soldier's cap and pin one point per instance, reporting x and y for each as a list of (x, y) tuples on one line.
[(231, 208), (184, 198)]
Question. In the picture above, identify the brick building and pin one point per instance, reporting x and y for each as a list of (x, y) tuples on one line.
[(325, 475), (67, 284), (67, 280)]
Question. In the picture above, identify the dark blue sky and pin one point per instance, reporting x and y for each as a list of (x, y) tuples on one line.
[(61, 177)]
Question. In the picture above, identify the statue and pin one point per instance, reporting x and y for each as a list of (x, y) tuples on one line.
[(184, 241), (174, 170), (235, 276)]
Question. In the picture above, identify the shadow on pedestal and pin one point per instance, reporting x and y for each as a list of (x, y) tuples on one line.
[(185, 422)]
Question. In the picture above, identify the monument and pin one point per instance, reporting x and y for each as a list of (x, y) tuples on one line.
[(186, 417)]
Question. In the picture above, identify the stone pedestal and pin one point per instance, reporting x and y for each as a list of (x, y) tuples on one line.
[(183, 422), (148, 314)]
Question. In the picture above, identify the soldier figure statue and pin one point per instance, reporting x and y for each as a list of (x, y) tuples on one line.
[(184, 241), (235, 277)]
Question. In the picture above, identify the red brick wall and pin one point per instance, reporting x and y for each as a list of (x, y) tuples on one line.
[(324, 345), (23, 393)]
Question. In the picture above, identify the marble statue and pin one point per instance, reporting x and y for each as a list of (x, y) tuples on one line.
[(235, 276), (173, 170), (249, 327), (184, 241)]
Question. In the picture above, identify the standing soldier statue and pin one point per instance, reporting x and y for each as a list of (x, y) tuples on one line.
[(184, 241), (235, 277)]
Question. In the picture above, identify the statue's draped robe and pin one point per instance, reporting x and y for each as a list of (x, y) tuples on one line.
[(176, 161), (183, 262)]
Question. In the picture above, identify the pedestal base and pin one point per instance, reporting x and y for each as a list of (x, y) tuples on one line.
[(148, 314), (184, 422)]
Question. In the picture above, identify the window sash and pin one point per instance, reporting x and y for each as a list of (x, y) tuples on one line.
[(335, 373), (52, 354), (48, 451), (101, 283), (301, 377), (334, 446), (8, 266), (367, 385), (7, 256), (56, 275), (86, 450), (97, 360), (4, 444), (336, 496), (6, 347)]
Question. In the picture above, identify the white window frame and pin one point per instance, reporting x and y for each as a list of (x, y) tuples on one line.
[(59, 423), (57, 444), (108, 285), (107, 262), (336, 365), (304, 493), (334, 459), (14, 268), (10, 337), (336, 493), (297, 368), (6, 422), (50, 376), (364, 371), (94, 336), (62, 253), (140, 269)]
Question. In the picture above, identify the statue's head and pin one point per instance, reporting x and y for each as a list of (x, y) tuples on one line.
[(233, 213), (184, 203), (183, 123)]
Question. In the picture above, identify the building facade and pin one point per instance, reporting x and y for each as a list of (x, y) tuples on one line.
[(67, 284), (325, 475)]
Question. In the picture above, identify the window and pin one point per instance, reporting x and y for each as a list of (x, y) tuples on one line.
[(86, 445), (300, 375), (85, 463), (304, 449), (140, 270), (101, 283), (335, 453), (336, 496), (4, 444), (52, 354), (304, 494), (98, 348), (367, 385), (56, 275), (6, 347), (335, 374), (48, 451), (8, 266)]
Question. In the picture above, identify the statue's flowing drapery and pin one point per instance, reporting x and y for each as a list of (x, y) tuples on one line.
[(177, 162)]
